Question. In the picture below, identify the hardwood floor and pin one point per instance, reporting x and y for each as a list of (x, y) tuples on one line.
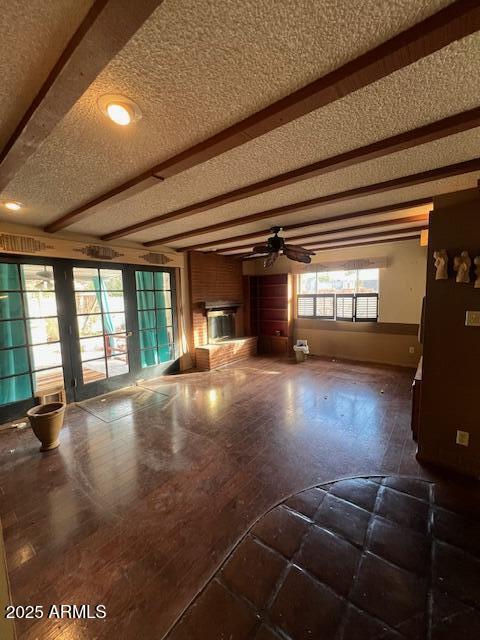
[(138, 513)]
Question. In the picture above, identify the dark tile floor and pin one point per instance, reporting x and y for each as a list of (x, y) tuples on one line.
[(138, 513), (375, 558)]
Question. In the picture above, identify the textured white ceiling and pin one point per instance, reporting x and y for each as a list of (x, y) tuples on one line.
[(399, 195), (442, 84), (33, 34), (317, 230), (450, 150), (393, 230), (195, 68)]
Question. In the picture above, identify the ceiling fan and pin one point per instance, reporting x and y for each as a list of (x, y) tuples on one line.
[(274, 245)]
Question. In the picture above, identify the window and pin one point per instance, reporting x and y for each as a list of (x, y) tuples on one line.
[(101, 323), (30, 353), (339, 295), (155, 317)]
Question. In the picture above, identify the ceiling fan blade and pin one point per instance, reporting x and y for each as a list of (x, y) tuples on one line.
[(261, 248), (297, 256), (271, 259), (298, 249)]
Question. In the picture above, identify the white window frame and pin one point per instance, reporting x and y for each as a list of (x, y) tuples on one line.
[(357, 296)]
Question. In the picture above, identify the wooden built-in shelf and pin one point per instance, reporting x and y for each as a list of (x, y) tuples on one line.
[(270, 312)]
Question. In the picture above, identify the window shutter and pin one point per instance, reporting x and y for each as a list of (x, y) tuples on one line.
[(345, 304), (366, 307), (305, 306), (325, 306)]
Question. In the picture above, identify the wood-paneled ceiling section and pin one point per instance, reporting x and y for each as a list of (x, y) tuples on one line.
[(197, 68)]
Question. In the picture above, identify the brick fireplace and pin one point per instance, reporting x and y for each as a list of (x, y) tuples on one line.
[(217, 307)]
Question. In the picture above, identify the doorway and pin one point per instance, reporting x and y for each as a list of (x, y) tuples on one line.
[(89, 327)]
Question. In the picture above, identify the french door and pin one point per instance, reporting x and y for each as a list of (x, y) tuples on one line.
[(91, 327)]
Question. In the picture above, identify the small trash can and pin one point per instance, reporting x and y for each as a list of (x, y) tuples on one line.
[(301, 350), (299, 355)]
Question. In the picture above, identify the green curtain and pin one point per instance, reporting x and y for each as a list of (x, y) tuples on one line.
[(146, 300), (13, 356), (102, 298)]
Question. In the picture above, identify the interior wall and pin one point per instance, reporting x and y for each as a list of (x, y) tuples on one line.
[(213, 277), (451, 350), (402, 287)]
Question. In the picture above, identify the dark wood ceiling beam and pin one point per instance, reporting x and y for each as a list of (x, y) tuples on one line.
[(350, 194), (406, 140), (390, 208), (456, 21), (415, 233), (249, 256), (319, 234), (105, 30), (372, 234)]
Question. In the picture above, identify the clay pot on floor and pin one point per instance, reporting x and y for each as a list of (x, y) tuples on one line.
[(46, 421)]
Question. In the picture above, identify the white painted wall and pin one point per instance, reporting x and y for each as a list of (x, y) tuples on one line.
[(402, 282)]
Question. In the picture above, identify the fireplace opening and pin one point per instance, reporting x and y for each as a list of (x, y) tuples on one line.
[(221, 325)]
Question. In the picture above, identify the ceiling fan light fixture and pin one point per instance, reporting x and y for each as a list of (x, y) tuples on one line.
[(119, 109), (276, 244)]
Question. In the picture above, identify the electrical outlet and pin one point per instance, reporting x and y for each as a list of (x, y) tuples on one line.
[(463, 438), (411, 350)]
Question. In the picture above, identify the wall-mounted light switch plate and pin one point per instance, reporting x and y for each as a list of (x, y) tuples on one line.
[(472, 319), (411, 350), (463, 438)]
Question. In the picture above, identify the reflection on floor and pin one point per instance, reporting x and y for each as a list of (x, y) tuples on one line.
[(119, 404), (139, 513), (360, 559)]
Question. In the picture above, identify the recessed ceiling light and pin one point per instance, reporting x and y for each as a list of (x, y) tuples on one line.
[(11, 205), (119, 109)]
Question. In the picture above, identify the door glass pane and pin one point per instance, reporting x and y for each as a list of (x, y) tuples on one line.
[(148, 358), (37, 277), (144, 279), (45, 355), (15, 389), (111, 279), (87, 302), (40, 304), (146, 319), (117, 365), (100, 296), (13, 361), (156, 346), (115, 344), (9, 279), (164, 299), (164, 316), (89, 325), (164, 335), (44, 380), (10, 305), (12, 334), (43, 330), (145, 300), (94, 370), (116, 323), (147, 339), (84, 279), (166, 353), (162, 280), (37, 328), (91, 348), (112, 301)]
